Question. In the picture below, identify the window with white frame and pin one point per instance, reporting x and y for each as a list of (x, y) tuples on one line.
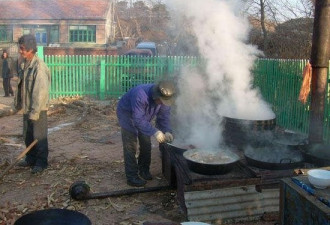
[(82, 33)]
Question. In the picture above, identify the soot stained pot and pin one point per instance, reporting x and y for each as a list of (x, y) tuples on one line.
[(317, 154), (54, 217), (210, 162), (273, 157), (238, 132)]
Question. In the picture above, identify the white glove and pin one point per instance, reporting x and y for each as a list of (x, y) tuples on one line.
[(169, 137), (160, 136)]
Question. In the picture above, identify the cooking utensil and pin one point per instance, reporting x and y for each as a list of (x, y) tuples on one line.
[(273, 157), (317, 154), (54, 217), (19, 157), (177, 148), (292, 140), (210, 162), (80, 190), (238, 132), (310, 190)]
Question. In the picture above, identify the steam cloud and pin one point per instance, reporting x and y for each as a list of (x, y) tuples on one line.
[(224, 88)]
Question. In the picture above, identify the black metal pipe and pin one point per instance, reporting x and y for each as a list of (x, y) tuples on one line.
[(126, 192), (80, 190)]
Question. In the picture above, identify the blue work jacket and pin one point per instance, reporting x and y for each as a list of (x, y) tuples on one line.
[(136, 109)]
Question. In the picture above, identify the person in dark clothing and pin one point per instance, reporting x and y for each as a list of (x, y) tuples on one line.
[(135, 112), (32, 97), (7, 74)]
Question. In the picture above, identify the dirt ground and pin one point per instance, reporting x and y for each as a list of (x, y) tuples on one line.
[(84, 144)]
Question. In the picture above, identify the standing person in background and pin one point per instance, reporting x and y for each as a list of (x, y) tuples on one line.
[(135, 112), (32, 97), (7, 74)]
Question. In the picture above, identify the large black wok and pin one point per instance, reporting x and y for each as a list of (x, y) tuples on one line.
[(210, 162), (317, 154), (54, 217), (291, 140), (273, 157)]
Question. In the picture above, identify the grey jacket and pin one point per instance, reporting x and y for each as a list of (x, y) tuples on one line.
[(33, 88)]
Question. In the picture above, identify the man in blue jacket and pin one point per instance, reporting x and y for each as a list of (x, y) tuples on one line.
[(135, 112)]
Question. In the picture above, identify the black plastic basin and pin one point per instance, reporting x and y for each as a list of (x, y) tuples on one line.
[(54, 217)]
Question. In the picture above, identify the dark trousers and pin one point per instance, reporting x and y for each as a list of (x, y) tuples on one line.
[(32, 130), (7, 86), (133, 164)]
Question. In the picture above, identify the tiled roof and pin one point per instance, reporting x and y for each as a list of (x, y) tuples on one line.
[(53, 9)]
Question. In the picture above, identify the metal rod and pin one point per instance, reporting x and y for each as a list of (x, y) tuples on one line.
[(125, 192)]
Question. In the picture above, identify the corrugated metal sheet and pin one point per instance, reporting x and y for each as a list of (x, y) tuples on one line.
[(230, 203)]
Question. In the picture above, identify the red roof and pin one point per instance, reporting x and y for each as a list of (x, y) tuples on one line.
[(54, 9)]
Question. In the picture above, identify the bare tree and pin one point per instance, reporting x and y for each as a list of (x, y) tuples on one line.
[(142, 21), (276, 22)]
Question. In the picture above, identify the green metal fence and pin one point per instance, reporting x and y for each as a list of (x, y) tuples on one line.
[(123, 73), (74, 75), (111, 76), (279, 82)]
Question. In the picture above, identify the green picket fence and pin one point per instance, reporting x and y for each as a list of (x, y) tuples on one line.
[(105, 77), (109, 76), (279, 82), (74, 75)]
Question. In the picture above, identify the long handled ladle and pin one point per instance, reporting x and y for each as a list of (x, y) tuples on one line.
[(18, 158), (80, 190)]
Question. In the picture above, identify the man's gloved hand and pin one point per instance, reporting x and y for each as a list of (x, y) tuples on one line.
[(169, 137), (160, 136)]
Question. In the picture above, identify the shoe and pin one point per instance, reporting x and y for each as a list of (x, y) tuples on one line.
[(6, 96), (37, 169), (136, 182), (145, 175), (24, 163)]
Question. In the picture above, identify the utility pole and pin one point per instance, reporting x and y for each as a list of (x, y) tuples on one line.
[(320, 65)]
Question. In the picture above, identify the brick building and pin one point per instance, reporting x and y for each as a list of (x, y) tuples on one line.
[(64, 26)]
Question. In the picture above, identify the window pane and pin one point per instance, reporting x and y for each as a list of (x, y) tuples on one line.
[(38, 38), (82, 33), (44, 37), (54, 34), (6, 33)]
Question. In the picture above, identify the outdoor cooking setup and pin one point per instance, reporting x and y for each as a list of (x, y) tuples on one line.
[(244, 181)]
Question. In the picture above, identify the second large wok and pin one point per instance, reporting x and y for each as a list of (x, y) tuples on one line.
[(273, 157), (210, 162)]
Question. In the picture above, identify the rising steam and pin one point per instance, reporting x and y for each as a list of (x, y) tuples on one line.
[(224, 88)]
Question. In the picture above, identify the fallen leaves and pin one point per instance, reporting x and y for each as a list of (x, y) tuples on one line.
[(72, 158)]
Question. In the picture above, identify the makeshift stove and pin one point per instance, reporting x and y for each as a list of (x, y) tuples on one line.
[(244, 193)]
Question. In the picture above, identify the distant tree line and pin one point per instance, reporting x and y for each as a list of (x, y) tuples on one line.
[(279, 28)]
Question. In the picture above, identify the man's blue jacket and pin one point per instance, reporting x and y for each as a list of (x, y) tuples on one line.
[(136, 109)]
